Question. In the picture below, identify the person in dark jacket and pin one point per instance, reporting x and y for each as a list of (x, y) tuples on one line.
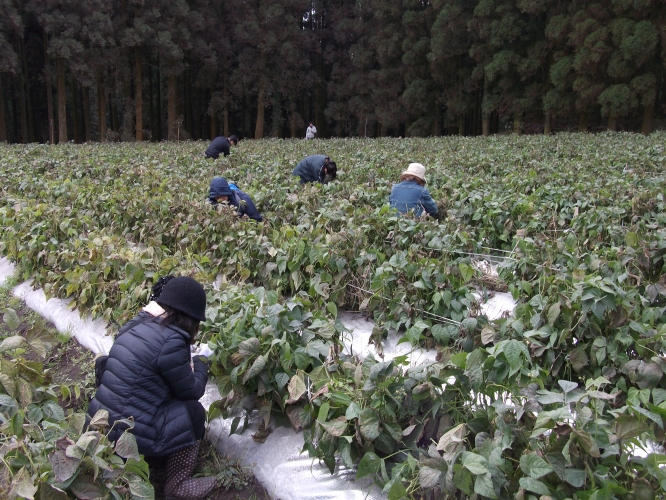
[(316, 168), (151, 377), (221, 145), (221, 192), (411, 195)]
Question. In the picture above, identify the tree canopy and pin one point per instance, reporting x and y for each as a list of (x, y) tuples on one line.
[(151, 70)]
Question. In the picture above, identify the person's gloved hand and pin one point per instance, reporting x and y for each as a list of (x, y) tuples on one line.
[(204, 351)]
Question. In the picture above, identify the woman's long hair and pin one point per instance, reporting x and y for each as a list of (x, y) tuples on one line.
[(182, 321)]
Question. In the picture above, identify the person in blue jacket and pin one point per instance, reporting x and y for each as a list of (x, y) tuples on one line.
[(221, 145), (221, 191), (316, 168), (151, 377), (411, 195)]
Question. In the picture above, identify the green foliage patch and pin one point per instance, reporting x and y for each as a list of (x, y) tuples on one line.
[(556, 400)]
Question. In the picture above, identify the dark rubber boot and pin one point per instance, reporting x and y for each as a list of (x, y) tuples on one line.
[(180, 485)]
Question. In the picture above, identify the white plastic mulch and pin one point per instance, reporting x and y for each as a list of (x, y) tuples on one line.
[(277, 463), (90, 333)]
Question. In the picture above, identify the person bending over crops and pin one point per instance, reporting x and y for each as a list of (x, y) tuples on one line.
[(316, 168), (411, 195), (221, 145), (222, 192), (151, 377)]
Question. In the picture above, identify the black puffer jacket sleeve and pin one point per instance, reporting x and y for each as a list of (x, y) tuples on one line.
[(174, 366)]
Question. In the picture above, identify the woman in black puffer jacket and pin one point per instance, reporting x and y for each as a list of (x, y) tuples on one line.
[(150, 377)]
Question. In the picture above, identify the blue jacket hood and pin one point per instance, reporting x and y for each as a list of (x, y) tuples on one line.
[(237, 198), (219, 187)]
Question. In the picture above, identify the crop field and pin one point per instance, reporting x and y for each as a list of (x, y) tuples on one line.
[(566, 398)]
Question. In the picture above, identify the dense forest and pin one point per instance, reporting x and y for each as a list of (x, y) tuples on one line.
[(153, 70)]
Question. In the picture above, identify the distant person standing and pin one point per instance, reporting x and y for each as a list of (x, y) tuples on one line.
[(316, 168), (311, 131), (221, 145), (411, 195)]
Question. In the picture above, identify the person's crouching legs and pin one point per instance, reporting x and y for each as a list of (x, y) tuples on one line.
[(180, 485)]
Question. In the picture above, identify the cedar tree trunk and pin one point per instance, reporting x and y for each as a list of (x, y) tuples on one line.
[(23, 111), (213, 126), (582, 122), (3, 122), (518, 123), (138, 95), (101, 109), (261, 109), (171, 108), (86, 113), (62, 101), (547, 130), (49, 93), (75, 112), (30, 124), (292, 117), (485, 121), (128, 118), (434, 126), (648, 114)]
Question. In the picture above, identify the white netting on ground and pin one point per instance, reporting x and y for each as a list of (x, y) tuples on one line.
[(278, 463)]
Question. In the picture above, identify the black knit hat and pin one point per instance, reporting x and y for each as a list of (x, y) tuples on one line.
[(185, 295)]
